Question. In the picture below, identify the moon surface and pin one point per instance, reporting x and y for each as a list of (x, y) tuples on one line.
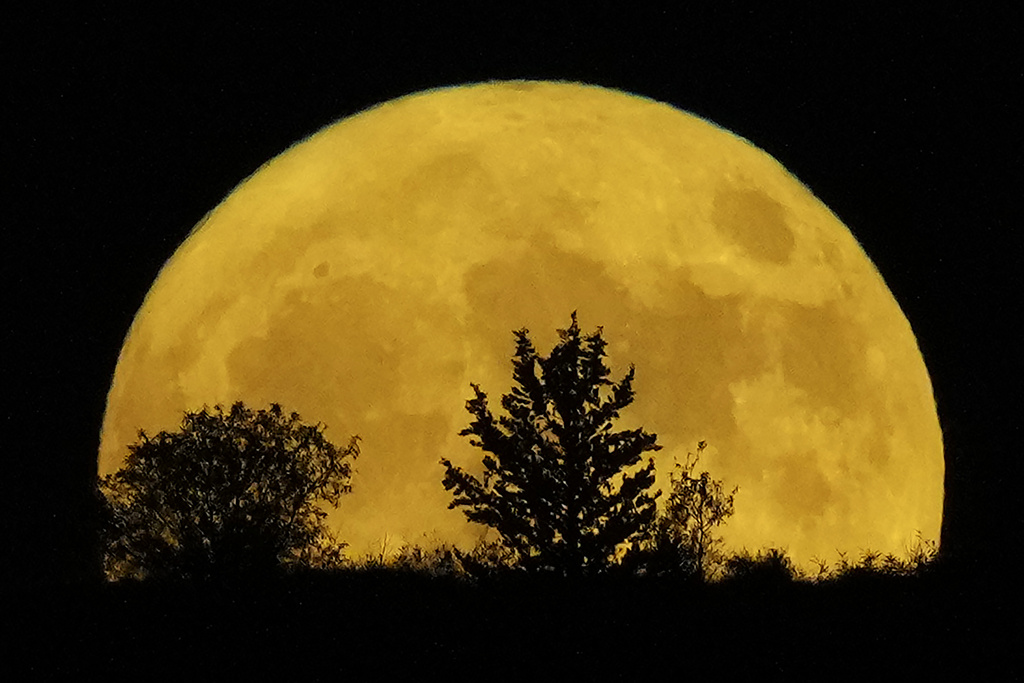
[(367, 275)]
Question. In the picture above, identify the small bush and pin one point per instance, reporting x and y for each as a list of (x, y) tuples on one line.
[(767, 566)]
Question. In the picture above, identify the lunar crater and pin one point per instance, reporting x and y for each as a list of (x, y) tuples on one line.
[(757, 223)]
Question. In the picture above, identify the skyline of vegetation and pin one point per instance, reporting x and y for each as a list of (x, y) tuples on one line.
[(242, 490)]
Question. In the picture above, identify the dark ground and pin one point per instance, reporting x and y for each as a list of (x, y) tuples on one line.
[(386, 623)]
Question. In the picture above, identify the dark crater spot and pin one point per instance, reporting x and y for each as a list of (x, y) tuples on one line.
[(755, 221)]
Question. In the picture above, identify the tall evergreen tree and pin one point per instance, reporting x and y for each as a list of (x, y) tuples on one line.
[(559, 485)]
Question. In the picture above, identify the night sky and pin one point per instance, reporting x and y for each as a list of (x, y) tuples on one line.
[(127, 129)]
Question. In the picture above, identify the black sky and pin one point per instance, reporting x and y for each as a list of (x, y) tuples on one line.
[(126, 129)]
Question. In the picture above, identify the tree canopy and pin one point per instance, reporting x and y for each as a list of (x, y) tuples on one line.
[(559, 485), (231, 491)]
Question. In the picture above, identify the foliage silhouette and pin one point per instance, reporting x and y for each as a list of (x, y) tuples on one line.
[(233, 492), (771, 566), (559, 485), (919, 559), (697, 505), (683, 540), (442, 560)]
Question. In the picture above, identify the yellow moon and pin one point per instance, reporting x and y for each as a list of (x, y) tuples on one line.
[(369, 273)]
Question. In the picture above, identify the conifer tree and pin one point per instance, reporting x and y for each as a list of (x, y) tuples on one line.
[(559, 485)]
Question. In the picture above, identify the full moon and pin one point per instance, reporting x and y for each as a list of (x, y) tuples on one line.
[(367, 275)]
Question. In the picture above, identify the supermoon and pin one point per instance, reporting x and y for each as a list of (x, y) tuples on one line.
[(366, 276)]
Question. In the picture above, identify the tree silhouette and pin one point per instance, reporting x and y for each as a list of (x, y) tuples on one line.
[(557, 484), (684, 535), (231, 492)]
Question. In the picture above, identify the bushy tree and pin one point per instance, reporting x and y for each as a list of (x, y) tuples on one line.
[(684, 537), (559, 485), (237, 491)]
